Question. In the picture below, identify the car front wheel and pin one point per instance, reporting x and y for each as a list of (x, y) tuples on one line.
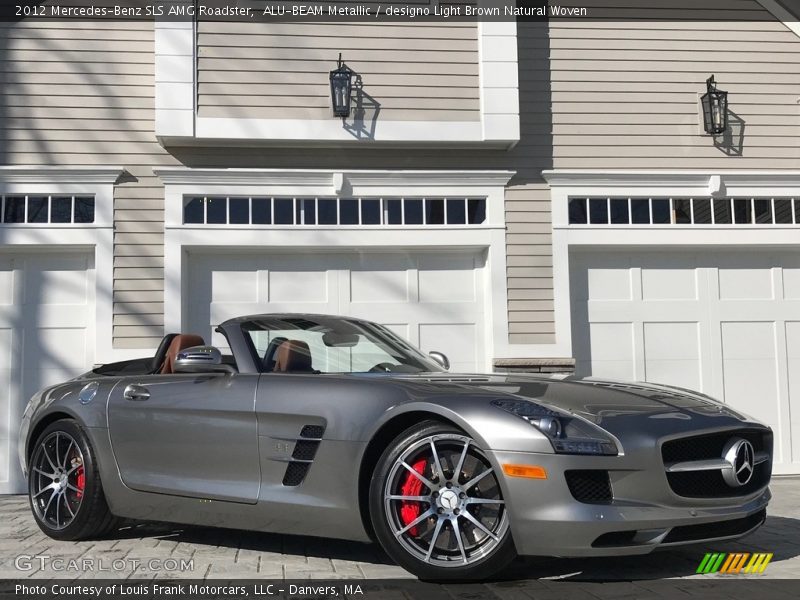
[(437, 507), (64, 487)]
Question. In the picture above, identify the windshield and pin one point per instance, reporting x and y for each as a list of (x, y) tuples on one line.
[(333, 346)]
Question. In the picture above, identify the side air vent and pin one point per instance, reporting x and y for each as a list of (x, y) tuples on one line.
[(295, 473), (312, 431), (305, 449)]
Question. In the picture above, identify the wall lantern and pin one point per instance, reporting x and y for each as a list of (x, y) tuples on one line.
[(715, 108), (341, 89)]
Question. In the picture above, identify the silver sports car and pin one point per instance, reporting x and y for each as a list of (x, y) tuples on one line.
[(336, 427)]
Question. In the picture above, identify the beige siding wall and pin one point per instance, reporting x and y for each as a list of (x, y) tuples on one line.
[(530, 278), (626, 94), (424, 71), (82, 94)]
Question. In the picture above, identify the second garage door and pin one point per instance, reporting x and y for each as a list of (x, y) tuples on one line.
[(433, 299), (46, 336), (723, 322)]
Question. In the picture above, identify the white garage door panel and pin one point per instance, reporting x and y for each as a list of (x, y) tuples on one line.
[(793, 359), (46, 336), (750, 371), (432, 299), (6, 425), (723, 322), (672, 353)]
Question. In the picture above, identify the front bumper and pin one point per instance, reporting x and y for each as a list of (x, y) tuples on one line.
[(546, 520)]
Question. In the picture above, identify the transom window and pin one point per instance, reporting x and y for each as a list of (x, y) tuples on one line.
[(684, 211), (45, 208), (265, 210)]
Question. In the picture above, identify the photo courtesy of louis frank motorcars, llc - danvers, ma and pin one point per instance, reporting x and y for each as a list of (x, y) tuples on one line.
[(467, 290)]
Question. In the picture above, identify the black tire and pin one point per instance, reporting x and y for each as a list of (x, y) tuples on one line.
[(92, 518), (483, 566)]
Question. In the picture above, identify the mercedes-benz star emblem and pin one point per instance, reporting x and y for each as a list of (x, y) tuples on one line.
[(448, 500), (740, 455)]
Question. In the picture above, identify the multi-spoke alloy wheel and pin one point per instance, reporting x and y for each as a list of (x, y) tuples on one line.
[(441, 504), (58, 479), (66, 496)]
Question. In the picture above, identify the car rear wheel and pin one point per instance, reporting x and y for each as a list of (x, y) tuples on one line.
[(64, 487), (437, 507)]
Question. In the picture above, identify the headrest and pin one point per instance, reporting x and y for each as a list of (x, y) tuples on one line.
[(293, 356)]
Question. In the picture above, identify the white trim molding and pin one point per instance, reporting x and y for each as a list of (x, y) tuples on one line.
[(565, 183), (499, 81), (59, 175), (178, 122), (175, 81), (98, 236), (180, 239)]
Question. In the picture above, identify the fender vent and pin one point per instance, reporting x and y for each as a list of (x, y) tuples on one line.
[(303, 454), (295, 473), (305, 450), (312, 431)]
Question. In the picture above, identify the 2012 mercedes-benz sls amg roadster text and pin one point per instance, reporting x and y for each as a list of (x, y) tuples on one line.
[(336, 427)]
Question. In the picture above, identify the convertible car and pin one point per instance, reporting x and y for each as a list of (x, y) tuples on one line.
[(336, 427)]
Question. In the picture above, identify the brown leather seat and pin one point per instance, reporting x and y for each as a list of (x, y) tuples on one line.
[(178, 343), (293, 356)]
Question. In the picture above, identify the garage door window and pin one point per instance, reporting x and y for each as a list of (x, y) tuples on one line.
[(16, 209), (222, 210), (684, 211)]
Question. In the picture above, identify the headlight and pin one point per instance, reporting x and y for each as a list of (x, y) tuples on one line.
[(567, 433)]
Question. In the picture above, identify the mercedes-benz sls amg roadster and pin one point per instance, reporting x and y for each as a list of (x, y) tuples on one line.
[(337, 427)]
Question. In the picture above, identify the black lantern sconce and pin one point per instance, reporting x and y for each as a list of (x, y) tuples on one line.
[(341, 89), (715, 108)]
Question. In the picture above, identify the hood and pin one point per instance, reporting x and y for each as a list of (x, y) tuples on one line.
[(616, 406)]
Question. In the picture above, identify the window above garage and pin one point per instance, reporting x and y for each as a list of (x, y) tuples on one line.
[(369, 211), (683, 211), (44, 209)]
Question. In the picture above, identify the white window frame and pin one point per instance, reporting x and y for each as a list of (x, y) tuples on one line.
[(180, 238), (566, 183), (176, 99), (97, 237)]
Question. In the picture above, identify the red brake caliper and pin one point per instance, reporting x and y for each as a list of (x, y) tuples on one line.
[(412, 486), (81, 481)]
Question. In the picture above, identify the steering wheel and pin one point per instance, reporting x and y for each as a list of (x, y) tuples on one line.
[(383, 367)]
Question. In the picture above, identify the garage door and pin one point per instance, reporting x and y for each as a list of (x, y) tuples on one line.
[(432, 299), (726, 323), (46, 335)]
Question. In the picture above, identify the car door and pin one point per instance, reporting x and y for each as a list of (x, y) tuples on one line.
[(187, 435)]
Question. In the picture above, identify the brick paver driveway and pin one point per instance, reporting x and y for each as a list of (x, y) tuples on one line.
[(157, 550)]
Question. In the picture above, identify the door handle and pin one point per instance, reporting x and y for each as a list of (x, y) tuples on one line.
[(136, 393)]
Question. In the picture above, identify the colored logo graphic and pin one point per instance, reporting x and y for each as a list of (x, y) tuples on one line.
[(735, 563)]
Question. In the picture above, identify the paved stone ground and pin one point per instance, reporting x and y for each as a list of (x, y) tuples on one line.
[(155, 550)]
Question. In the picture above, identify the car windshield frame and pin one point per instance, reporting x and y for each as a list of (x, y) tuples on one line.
[(384, 338)]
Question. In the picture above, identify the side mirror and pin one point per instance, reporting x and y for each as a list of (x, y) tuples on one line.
[(201, 359), (440, 359)]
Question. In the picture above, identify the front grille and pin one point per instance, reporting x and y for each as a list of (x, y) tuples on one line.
[(707, 531), (708, 446), (710, 484), (589, 486)]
